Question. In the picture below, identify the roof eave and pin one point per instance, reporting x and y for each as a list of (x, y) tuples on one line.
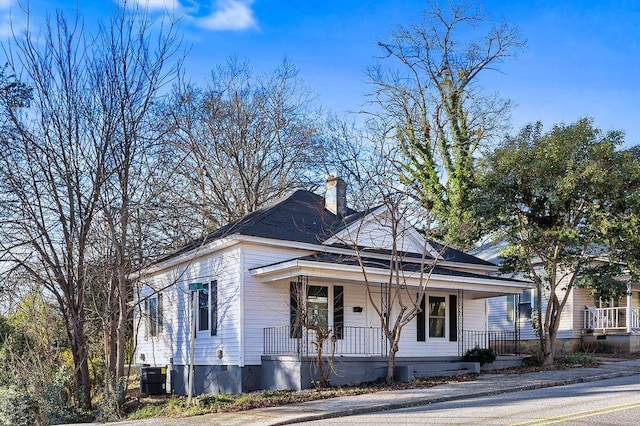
[(297, 267)]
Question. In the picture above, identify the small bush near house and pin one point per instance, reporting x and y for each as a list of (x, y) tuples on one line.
[(578, 359), (483, 356)]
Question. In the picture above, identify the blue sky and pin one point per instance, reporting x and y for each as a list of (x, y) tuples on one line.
[(582, 59)]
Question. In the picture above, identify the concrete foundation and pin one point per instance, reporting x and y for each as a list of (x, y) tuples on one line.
[(288, 372), (212, 379), (563, 346), (623, 343)]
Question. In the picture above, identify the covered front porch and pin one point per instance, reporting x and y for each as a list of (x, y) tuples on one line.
[(370, 341), (615, 316), (624, 319), (361, 355), (613, 328), (337, 306)]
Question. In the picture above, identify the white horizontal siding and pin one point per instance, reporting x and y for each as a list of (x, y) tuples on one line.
[(265, 304), (570, 319), (473, 318), (376, 231), (174, 340), (497, 314)]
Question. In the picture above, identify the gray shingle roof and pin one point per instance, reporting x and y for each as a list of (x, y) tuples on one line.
[(301, 217)]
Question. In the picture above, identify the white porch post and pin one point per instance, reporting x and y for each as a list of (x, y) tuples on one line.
[(629, 308)]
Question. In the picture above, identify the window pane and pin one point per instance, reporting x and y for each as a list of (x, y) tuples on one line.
[(436, 327), (153, 316), (511, 308), (318, 307), (436, 306), (203, 308), (214, 308), (437, 316)]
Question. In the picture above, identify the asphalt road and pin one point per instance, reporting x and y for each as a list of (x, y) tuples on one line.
[(606, 402)]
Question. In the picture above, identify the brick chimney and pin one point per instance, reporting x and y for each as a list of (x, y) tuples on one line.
[(335, 199)]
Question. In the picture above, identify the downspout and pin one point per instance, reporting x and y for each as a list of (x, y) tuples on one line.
[(242, 317), (629, 307)]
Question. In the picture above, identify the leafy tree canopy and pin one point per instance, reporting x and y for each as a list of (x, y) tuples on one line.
[(561, 199)]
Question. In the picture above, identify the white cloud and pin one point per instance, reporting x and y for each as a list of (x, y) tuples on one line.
[(157, 4), (228, 15), (6, 23), (216, 15)]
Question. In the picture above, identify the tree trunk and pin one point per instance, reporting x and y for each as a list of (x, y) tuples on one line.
[(81, 363), (549, 348), (551, 334), (122, 324), (391, 364)]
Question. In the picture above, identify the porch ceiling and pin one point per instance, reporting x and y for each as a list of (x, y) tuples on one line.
[(376, 271)]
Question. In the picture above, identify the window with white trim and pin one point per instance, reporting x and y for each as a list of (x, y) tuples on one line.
[(153, 313), (511, 308), (526, 303), (437, 316), (208, 308), (322, 305)]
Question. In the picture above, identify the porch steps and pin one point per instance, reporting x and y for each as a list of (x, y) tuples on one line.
[(406, 373)]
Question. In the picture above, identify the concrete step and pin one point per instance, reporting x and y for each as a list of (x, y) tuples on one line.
[(435, 369)]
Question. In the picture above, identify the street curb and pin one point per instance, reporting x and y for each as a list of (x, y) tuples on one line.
[(418, 403)]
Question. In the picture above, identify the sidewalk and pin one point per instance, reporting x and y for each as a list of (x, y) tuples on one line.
[(485, 384)]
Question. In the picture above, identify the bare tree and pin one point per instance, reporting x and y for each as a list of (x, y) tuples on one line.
[(243, 140), (79, 162), (51, 174), (436, 109), (409, 267), (394, 213), (130, 65), (357, 154)]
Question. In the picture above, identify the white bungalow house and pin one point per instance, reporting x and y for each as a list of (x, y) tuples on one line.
[(585, 323), (245, 277)]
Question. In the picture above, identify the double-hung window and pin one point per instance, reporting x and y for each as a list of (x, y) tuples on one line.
[(526, 303), (316, 307), (153, 313), (438, 316), (208, 307)]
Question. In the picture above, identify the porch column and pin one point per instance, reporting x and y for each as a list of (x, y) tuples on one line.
[(629, 307)]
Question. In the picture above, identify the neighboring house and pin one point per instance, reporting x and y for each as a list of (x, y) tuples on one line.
[(246, 279), (584, 322)]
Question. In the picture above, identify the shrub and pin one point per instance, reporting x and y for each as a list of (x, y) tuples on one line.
[(56, 401), (18, 408), (483, 356), (578, 358)]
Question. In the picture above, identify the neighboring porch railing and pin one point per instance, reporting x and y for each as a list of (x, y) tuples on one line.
[(502, 342), (364, 341), (614, 319)]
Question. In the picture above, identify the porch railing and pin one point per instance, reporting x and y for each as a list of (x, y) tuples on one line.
[(366, 341), (610, 318), (502, 342)]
